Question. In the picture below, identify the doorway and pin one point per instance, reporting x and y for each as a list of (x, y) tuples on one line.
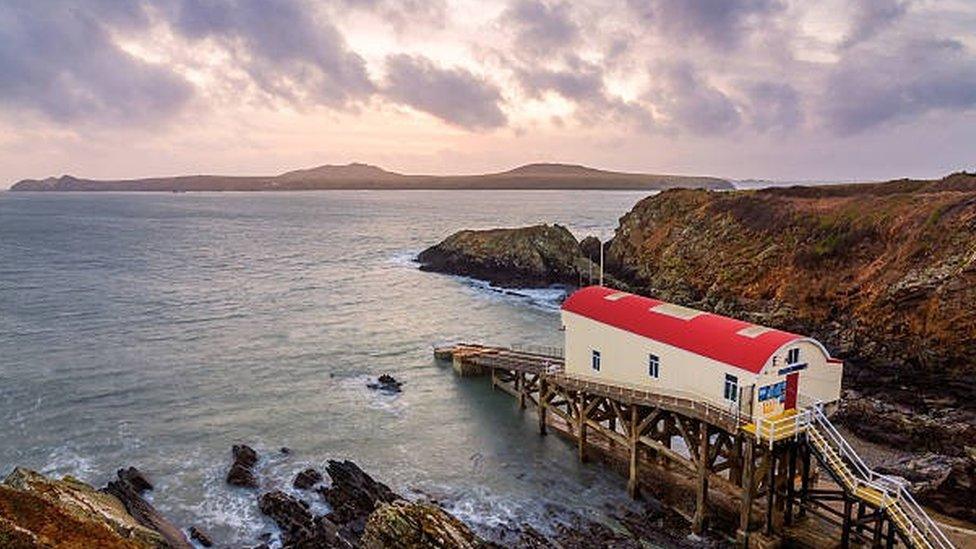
[(792, 384)]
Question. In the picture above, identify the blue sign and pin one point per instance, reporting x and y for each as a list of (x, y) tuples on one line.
[(776, 391)]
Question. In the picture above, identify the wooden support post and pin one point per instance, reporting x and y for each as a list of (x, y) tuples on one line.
[(845, 536), (701, 500), (543, 405), (735, 465), (494, 378), (861, 511), (890, 537), (878, 527), (634, 439), (745, 507), (790, 475), (770, 490), (804, 480), (581, 425), (520, 385)]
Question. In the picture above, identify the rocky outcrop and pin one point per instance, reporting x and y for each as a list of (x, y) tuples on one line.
[(536, 256), (36, 511), (300, 529), (386, 383), (945, 430), (409, 525), (883, 274), (946, 484), (353, 496), (241, 472), (128, 488), (307, 478)]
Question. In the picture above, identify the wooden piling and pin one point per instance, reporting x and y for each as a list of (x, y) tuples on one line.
[(701, 500), (745, 509), (634, 440)]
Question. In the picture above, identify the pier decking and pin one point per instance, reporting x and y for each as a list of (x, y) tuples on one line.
[(760, 481)]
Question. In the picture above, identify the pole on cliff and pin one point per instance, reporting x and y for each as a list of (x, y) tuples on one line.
[(601, 263)]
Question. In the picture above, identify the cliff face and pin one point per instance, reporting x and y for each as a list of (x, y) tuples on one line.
[(883, 274), (39, 512)]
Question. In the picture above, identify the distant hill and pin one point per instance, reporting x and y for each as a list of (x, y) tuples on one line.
[(365, 176)]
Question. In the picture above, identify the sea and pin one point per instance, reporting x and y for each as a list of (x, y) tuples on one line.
[(157, 330)]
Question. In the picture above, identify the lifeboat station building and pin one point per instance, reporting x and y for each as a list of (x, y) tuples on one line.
[(756, 372)]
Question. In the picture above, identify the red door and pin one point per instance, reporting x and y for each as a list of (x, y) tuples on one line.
[(792, 381)]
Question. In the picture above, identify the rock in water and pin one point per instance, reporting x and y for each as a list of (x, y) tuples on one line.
[(241, 471), (299, 528), (386, 383), (36, 511), (135, 478), (535, 256), (307, 478), (406, 525), (200, 537), (129, 494), (353, 495)]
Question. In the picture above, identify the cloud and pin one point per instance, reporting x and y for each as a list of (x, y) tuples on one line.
[(772, 106), (60, 61), (716, 23), (454, 95), (872, 86), (690, 102), (404, 15), (872, 16), (289, 49), (541, 29)]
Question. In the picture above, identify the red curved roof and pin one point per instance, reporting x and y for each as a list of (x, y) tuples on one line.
[(706, 334)]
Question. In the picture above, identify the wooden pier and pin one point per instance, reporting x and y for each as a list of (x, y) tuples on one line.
[(763, 484)]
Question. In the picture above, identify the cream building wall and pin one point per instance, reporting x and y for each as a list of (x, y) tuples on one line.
[(624, 360)]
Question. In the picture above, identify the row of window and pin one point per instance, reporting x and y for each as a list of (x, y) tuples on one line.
[(653, 364), (731, 392)]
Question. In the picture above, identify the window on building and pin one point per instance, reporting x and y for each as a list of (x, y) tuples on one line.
[(731, 388), (653, 366), (793, 356), (596, 360)]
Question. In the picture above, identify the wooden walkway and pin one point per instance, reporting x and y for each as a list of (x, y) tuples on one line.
[(766, 470)]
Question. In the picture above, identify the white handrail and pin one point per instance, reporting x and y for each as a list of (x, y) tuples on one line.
[(892, 490)]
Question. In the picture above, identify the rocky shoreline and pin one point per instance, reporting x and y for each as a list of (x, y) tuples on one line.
[(884, 274), (37, 511)]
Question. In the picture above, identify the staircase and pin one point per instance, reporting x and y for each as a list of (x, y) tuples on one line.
[(881, 491)]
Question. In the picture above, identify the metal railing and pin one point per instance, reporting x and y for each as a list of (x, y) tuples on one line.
[(727, 413), (920, 526)]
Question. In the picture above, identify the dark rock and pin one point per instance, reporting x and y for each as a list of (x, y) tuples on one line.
[(947, 484), (307, 478), (285, 450), (590, 247), (241, 471), (241, 476), (143, 511), (299, 528), (353, 495), (536, 256), (386, 383), (409, 525), (245, 455), (200, 537), (136, 478)]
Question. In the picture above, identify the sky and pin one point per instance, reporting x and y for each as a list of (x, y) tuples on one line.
[(774, 89)]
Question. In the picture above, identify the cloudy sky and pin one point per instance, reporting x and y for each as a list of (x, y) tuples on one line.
[(785, 89)]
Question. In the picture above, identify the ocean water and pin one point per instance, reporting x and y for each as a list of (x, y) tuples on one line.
[(157, 330)]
